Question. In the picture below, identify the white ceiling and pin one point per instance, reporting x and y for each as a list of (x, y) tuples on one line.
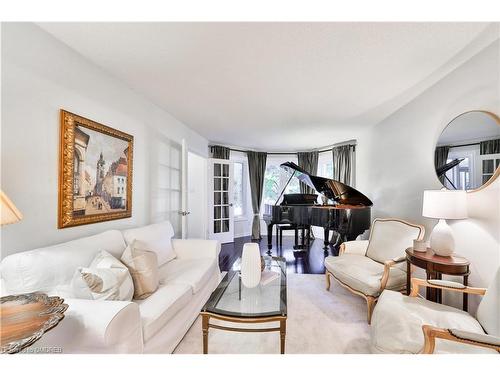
[(271, 86), (470, 127)]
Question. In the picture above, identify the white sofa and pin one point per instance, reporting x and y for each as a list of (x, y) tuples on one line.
[(153, 325)]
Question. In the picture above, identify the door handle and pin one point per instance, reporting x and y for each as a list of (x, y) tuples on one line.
[(230, 205), (184, 213)]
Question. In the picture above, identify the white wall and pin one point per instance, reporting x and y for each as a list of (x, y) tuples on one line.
[(395, 160), (40, 75)]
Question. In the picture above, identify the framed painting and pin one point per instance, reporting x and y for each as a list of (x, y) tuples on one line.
[(95, 172)]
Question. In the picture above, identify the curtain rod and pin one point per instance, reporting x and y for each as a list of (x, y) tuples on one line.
[(296, 152), (466, 144)]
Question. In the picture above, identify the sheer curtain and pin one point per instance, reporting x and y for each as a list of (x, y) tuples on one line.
[(256, 172), (309, 162)]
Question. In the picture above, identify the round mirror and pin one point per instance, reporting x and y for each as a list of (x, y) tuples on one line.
[(467, 155)]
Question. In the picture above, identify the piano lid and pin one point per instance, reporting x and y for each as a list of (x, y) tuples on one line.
[(332, 189), (445, 168)]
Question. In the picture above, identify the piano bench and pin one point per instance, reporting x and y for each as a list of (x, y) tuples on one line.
[(282, 227), (279, 232)]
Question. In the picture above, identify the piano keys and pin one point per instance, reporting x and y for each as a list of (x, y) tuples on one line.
[(347, 212)]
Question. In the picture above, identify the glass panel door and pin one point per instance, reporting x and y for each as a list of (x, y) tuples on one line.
[(166, 182), (221, 217)]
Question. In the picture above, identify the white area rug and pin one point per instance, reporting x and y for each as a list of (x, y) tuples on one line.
[(318, 322)]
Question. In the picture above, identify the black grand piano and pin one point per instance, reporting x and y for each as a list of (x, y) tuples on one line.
[(348, 212)]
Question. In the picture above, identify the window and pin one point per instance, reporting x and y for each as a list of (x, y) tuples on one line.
[(325, 169), (275, 179), (489, 164), (238, 194)]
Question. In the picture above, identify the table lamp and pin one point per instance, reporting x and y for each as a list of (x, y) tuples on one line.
[(442, 205), (9, 213)]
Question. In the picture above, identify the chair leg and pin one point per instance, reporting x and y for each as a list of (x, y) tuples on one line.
[(370, 304), (327, 274)]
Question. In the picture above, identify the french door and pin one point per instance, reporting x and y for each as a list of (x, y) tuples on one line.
[(220, 200)]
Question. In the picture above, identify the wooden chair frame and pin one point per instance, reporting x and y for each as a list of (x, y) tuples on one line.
[(370, 300), (432, 333), (388, 264)]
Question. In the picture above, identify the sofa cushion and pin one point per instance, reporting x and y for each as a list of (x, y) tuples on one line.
[(105, 279), (363, 274), (154, 237), (161, 306), (192, 272), (488, 313), (396, 325), (47, 268)]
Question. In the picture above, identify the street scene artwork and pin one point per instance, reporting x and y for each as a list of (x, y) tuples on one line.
[(101, 163)]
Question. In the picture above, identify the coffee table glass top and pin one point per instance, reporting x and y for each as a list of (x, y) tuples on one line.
[(232, 298)]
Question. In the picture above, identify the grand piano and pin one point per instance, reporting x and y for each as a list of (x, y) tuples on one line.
[(346, 210)]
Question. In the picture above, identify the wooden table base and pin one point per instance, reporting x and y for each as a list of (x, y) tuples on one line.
[(435, 266), (206, 325)]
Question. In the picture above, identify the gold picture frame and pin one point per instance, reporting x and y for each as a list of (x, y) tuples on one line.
[(95, 172)]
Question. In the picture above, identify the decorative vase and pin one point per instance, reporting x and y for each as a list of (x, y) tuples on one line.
[(442, 241), (250, 265)]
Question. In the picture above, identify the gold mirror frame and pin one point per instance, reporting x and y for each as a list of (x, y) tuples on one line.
[(497, 170)]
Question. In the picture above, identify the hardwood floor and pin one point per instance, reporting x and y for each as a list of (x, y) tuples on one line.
[(310, 261)]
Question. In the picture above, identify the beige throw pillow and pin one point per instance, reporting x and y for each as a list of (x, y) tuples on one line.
[(143, 266), (105, 279)]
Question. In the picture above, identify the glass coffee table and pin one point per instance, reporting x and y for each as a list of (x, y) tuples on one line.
[(233, 302)]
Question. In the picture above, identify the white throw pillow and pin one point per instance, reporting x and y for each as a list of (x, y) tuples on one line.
[(143, 267), (154, 237), (105, 279)]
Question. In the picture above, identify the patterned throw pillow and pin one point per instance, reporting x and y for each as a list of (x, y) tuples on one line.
[(143, 266), (105, 279)]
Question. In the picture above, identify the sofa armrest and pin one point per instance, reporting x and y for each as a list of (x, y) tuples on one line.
[(354, 247), (95, 327), (196, 248), (477, 339)]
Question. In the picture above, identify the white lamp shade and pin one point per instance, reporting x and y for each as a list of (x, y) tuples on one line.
[(9, 213), (445, 204)]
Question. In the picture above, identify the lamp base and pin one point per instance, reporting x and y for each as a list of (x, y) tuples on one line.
[(441, 240)]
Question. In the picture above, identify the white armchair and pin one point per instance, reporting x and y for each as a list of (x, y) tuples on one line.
[(408, 324), (366, 268)]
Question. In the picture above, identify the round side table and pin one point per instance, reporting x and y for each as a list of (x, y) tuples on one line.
[(435, 266)]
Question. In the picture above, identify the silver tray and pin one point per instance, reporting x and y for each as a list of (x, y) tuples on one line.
[(25, 318)]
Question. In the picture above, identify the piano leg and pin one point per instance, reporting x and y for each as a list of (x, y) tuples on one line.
[(326, 238), (308, 238), (269, 238)]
